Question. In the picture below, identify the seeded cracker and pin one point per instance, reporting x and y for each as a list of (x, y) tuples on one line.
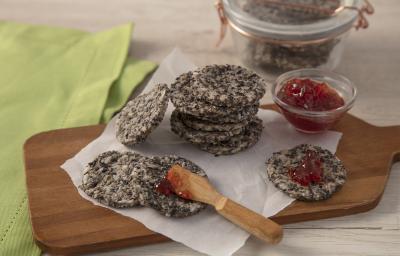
[(219, 143), (123, 180), (242, 116), (197, 136), (188, 104), (172, 205), (222, 85), (142, 115), (334, 173), (251, 135), (114, 179), (204, 125), (212, 114)]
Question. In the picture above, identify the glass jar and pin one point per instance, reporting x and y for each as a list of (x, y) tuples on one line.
[(278, 36)]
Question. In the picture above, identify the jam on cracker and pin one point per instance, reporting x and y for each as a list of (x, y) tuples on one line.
[(309, 171), (170, 184)]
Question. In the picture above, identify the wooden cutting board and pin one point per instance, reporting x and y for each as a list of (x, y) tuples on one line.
[(65, 223)]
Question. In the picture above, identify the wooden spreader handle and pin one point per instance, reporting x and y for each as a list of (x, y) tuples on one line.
[(254, 223)]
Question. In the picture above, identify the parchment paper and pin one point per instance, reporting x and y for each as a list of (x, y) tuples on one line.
[(240, 176)]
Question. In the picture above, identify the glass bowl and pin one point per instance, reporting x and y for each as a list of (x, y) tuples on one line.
[(310, 121)]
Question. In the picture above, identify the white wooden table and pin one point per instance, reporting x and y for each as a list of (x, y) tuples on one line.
[(372, 61)]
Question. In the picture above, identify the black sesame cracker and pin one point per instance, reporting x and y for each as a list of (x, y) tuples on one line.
[(186, 103), (279, 164), (172, 205), (219, 143), (197, 136), (114, 179), (142, 115), (238, 143), (124, 180), (222, 85), (204, 125)]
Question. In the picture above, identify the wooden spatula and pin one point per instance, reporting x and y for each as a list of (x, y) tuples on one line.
[(191, 186)]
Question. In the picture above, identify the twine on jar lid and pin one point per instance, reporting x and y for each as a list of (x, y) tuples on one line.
[(362, 21)]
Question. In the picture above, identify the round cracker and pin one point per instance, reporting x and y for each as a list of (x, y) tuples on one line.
[(203, 125), (249, 138), (114, 179), (222, 85), (172, 205), (142, 115), (334, 173), (220, 144), (197, 136), (188, 104), (123, 180)]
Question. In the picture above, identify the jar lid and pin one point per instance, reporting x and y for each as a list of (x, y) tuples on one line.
[(290, 20)]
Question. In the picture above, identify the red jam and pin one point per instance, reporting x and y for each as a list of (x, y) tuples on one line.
[(309, 95), (171, 184), (164, 187), (309, 171)]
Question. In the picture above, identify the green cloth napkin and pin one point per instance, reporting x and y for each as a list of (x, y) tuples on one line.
[(53, 78)]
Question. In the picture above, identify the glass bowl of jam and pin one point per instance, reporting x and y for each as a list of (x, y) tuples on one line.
[(313, 100)]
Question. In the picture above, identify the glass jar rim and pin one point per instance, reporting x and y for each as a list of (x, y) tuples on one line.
[(309, 73), (336, 25)]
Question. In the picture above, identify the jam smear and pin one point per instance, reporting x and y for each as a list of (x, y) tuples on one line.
[(170, 184), (310, 95), (309, 171), (164, 187)]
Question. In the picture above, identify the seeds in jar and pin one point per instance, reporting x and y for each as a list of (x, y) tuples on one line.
[(291, 11), (288, 56)]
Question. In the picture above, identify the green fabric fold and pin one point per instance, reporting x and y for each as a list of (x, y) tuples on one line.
[(53, 78)]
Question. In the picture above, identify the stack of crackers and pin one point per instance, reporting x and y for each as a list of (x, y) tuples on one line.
[(216, 108)]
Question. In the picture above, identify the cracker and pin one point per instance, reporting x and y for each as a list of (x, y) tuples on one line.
[(334, 173), (197, 136), (123, 180), (219, 143), (142, 115), (237, 143), (172, 205), (188, 104), (243, 115), (222, 85), (112, 179), (204, 125)]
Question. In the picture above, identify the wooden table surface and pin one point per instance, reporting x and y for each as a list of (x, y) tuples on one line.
[(371, 60)]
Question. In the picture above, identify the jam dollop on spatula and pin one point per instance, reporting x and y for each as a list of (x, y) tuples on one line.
[(309, 171), (172, 184), (164, 187)]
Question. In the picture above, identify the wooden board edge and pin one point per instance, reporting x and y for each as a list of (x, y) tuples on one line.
[(363, 207), (55, 249)]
